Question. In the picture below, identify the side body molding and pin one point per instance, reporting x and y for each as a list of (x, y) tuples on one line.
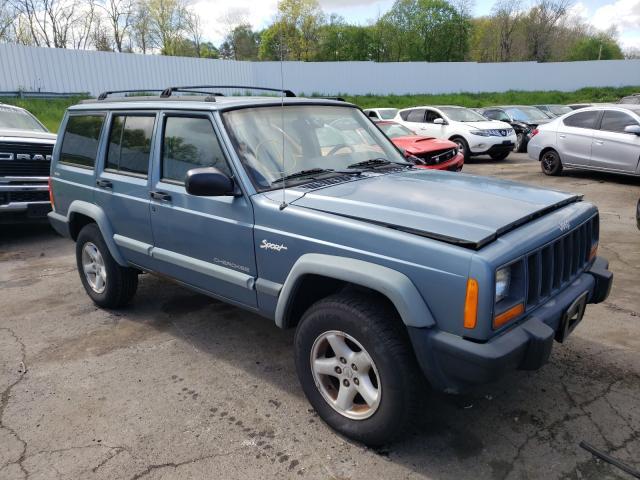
[(394, 285), (95, 212)]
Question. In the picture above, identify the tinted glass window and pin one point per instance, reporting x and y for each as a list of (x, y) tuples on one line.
[(130, 143), (582, 119), (616, 121), (432, 115), (190, 142), (416, 115), (80, 141)]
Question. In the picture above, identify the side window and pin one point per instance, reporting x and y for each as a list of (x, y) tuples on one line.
[(432, 115), (416, 115), (373, 114), (582, 119), (614, 121), (80, 140), (190, 142), (130, 143)]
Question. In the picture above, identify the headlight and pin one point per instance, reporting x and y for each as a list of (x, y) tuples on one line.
[(480, 133), (503, 282)]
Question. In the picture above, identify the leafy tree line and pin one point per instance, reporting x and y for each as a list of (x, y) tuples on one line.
[(412, 30)]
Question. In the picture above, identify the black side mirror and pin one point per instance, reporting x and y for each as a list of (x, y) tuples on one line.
[(209, 182)]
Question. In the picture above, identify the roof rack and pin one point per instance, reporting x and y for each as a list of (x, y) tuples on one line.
[(104, 95), (168, 91), (339, 99)]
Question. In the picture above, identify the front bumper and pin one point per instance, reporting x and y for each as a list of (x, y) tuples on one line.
[(506, 146), (23, 199), (453, 165), (453, 364)]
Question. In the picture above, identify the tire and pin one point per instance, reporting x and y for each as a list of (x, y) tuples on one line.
[(520, 143), (463, 147), (108, 284), (550, 163), (500, 156), (358, 321)]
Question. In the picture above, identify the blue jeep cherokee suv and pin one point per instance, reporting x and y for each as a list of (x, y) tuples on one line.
[(301, 210)]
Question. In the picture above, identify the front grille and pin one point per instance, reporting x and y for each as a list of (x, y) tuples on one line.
[(9, 197), (554, 266), (24, 168), (437, 157)]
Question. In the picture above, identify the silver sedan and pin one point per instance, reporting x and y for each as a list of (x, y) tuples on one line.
[(604, 138)]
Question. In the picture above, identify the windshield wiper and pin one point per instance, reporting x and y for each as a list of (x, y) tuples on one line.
[(311, 173), (375, 162)]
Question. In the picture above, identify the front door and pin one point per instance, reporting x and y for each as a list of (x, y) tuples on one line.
[(206, 242), (612, 147)]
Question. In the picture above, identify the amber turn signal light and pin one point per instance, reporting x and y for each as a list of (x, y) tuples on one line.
[(471, 304), (51, 193), (593, 252), (510, 314)]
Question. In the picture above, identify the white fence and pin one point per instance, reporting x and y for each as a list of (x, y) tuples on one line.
[(58, 70)]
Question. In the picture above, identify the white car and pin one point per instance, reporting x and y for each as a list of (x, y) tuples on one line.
[(605, 138), (381, 113), (474, 134)]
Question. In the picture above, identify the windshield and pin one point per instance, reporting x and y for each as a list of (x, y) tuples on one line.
[(19, 120), (559, 109), (314, 137), (527, 114), (387, 113), (459, 114), (394, 130)]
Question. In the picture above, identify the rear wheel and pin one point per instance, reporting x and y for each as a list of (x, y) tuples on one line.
[(108, 284), (520, 146), (500, 156), (550, 163), (463, 147), (357, 368)]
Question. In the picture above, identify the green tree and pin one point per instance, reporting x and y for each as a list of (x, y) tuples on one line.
[(596, 47), (242, 43)]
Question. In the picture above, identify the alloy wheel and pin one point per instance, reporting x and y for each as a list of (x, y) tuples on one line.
[(94, 268), (345, 375)]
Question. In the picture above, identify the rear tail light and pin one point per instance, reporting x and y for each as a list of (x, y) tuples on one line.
[(51, 194), (534, 132)]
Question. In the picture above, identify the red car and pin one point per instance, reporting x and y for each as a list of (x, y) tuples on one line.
[(436, 153)]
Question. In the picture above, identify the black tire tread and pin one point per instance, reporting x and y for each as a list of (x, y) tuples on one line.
[(122, 282), (391, 335)]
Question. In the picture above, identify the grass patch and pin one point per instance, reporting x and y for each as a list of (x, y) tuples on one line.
[(512, 97), (49, 112)]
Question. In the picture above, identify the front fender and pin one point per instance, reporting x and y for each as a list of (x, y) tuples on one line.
[(392, 284), (97, 214)]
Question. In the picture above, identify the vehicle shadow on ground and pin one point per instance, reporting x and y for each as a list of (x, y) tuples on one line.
[(514, 427), (601, 176)]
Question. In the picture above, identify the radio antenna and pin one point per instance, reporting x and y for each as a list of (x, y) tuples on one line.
[(283, 205)]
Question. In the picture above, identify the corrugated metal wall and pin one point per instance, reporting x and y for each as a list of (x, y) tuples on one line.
[(58, 70)]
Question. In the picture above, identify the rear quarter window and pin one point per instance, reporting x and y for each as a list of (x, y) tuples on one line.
[(80, 140)]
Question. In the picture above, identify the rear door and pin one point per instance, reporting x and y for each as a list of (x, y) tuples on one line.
[(206, 242), (414, 120), (575, 135), (122, 182), (613, 148)]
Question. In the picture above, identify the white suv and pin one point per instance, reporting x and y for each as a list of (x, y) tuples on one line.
[(474, 134)]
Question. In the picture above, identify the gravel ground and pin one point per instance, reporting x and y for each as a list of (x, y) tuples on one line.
[(181, 386)]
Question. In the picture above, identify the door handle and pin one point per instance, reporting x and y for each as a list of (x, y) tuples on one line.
[(599, 142), (561, 135), (104, 184), (165, 197)]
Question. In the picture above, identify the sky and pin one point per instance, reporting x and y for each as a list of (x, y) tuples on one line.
[(217, 14)]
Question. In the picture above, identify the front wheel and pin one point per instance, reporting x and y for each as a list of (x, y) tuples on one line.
[(500, 156), (108, 284), (357, 368), (520, 144), (550, 163)]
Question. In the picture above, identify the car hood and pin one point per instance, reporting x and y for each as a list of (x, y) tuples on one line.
[(415, 144), (11, 133), (466, 210), (486, 125)]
